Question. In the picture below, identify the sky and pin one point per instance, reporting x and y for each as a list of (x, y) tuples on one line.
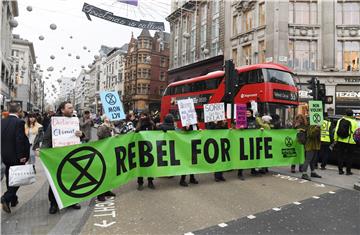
[(67, 15)]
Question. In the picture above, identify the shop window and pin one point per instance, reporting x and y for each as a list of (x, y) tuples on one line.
[(348, 55)]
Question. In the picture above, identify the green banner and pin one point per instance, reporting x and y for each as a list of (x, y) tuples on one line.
[(80, 172), (316, 112)]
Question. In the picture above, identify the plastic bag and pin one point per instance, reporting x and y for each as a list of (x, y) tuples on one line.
[(21, 175)]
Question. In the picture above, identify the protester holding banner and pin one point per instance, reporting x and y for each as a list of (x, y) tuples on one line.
[(251, 124), (312, 147), (86, 123), (145, 124), (300, 123), (32, 128), (14, 150), (105, 130), (192, 176), (65, 110)]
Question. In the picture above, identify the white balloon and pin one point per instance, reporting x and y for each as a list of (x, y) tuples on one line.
[(82, 66), (53, 26), (50, 69), (96, 57), (71, 37), (90, 66), (29, 8), (69, 54), (52, 57), (41, 37), (84, 47), (62, 48), (13, 23), (77, 57), (89, 51)]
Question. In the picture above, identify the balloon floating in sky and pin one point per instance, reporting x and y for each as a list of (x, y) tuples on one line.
[(29, 8), (13, 23), (77, 57), (69, 54), (50, 69), (59, 80), (62, 48), (71, 37), (64, 68), (41, 37), (52, 57), (89, 51), (82, 66), (96, 57), (90, 66), (84, 47), (73, 79), (53, 26)]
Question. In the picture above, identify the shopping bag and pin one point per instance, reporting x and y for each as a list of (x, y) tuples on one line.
[(21, 175)]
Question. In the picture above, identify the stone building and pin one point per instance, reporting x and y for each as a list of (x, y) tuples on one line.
[(197, 38), (147, 62), (314, 38)]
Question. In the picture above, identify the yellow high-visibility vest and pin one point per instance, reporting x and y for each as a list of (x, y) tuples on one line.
[(325, 131)]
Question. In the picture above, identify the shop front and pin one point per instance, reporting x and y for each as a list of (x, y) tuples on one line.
[(347, 97)]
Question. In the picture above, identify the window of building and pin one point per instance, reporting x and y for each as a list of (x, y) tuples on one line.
[(162, 76), (247, 21), (203, 13), (161, 90), (348, 55), (192, 56), (348, 13), (262, 14), (235, 25), (261, 51), (247, 55), (234, 55), (303, 55), (215, 37), (215, 8), (203, 35), (303, 12), (162, 61)]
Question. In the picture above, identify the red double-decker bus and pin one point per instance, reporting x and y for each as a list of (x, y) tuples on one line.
[(271, 85)]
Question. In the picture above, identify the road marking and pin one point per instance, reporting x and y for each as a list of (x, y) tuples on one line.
[(105, 209), (315, 197), (251, 216), (297, 203), (319, 185), (276, 209), (331, 192), (105, 224), (189, 233), (222, 225)]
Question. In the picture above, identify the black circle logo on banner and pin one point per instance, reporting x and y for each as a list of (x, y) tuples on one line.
[(84, 180), (316, 118), (288, 141), (110, 99)]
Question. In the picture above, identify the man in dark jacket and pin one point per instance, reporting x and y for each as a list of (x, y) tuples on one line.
[(15, 150), (65, 109)]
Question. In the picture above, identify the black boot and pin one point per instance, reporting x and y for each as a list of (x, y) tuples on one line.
[(53, 209)]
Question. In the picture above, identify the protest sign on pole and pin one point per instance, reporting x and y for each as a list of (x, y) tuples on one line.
[(316, 112), (81, 172), (63, 131), (228, 111), (241, 121), (112, 105), (214, 112), (187, 112)]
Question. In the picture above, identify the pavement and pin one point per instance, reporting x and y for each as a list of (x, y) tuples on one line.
[(276, 203)]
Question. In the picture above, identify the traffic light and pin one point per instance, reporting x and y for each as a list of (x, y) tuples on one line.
[(321, 92), (313, 87), (230, 76)]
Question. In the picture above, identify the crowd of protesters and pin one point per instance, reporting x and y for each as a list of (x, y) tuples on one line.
[(35, 132)]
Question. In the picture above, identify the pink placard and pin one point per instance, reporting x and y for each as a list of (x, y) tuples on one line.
[(241, 121)]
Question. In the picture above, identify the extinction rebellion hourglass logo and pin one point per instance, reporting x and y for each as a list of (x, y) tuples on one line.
[(89, 169)]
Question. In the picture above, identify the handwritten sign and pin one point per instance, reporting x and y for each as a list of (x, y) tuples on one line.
[(241, 121), (187, 112), (214, 112), (112, 105), (316, 112), (109, 16), (63, 131)]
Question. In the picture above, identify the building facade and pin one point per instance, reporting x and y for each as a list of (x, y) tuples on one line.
[(9, 10), (314, 38), (197, 38), (82, 87), (26, 78), (147, 62)]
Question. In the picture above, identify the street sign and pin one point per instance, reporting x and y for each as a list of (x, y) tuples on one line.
[(112, 105), (316, 112)]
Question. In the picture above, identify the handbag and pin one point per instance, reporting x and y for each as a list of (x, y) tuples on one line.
[(21, 175)]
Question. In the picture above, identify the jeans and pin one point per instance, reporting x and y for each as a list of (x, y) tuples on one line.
[(310, 159), (32, 156)]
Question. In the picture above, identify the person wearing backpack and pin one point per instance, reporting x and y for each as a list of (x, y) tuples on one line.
[(345, 143)]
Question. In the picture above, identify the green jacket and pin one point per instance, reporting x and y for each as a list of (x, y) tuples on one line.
[(350, 139), (312, 138)]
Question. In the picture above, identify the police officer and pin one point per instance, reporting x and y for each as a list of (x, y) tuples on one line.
[(345, 145), (325, 142)]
